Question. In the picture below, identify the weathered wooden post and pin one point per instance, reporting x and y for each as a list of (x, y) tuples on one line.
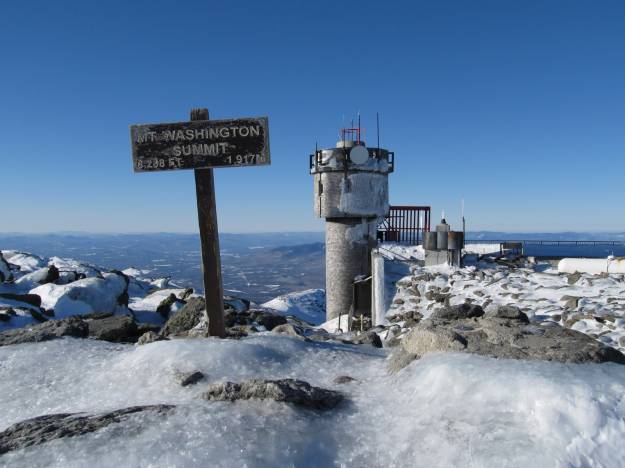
[(202, 144), (209, 240)]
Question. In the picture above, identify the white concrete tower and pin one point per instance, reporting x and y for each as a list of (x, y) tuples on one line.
[(351, 193)]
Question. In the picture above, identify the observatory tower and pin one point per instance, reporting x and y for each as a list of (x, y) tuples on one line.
[(351, 193)]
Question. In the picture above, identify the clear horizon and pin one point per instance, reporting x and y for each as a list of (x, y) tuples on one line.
[(517, 108)]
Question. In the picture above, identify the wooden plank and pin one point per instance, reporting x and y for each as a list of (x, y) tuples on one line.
[(209, 239), (200, 144)]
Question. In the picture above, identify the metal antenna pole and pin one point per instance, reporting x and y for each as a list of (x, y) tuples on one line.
[(377, 124)]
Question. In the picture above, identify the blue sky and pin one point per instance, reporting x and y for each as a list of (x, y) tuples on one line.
[(516, 106)]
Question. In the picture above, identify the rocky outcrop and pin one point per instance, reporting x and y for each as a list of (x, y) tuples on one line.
[(267, 319), (189, 316), (73, 326), (462, 311), (297, 392), (503, 332), (164, 308), (5, 270), (150, 337), (107, 327), (44, 429), (290, 330), (31, 299), (187, 378), (116, 328)]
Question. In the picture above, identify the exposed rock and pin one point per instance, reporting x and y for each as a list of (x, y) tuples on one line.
[(185, 379), (5, 270), (6, 314), (43, 429), (143, 328), (267, 319), (289, 329), (414, 290), (436, 296), (573, 277), (51, 276), (293, 391), (456, 312), (39, 317), (344, 379), (368, 337), (507, 312), (149, 337), (239, 331), (570, 302), (124, 297), (72, 326), (96, 315), (500, 337), (164, 308), (232, 318), (237, 304), (117, 328), (400, 359), (32, 299), (186, 318), (428, 338)]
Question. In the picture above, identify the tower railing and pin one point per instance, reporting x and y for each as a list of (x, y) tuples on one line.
[(405, 224)]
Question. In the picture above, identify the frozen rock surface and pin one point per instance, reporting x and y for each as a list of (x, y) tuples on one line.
[(503, 333), (293, 391), (73, 326), (44, 429)]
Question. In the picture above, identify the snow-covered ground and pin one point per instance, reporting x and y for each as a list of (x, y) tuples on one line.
[(592, 304), (443, 410), (306, 305)]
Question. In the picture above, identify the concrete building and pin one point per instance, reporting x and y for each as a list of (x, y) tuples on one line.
[(351, 193)]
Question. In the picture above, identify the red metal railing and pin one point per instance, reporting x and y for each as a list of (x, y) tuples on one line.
[(405, 224)]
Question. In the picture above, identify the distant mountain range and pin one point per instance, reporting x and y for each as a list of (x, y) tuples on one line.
[(569, 235)]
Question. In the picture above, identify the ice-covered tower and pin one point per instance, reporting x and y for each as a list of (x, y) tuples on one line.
[(351, 193)]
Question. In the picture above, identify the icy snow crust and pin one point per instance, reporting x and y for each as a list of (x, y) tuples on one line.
[(442, 410), (309, 305)]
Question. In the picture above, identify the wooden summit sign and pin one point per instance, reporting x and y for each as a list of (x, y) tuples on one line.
[(200, 144)]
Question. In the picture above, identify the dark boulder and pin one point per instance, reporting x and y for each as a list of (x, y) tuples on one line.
[(268, 319), (508, 312), (185, 379), (72, 326), (164, 308), (32, 299), (190, 315), (462, 311), (116, 328)]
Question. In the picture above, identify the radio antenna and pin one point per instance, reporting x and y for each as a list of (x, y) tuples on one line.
[(377, 124)]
